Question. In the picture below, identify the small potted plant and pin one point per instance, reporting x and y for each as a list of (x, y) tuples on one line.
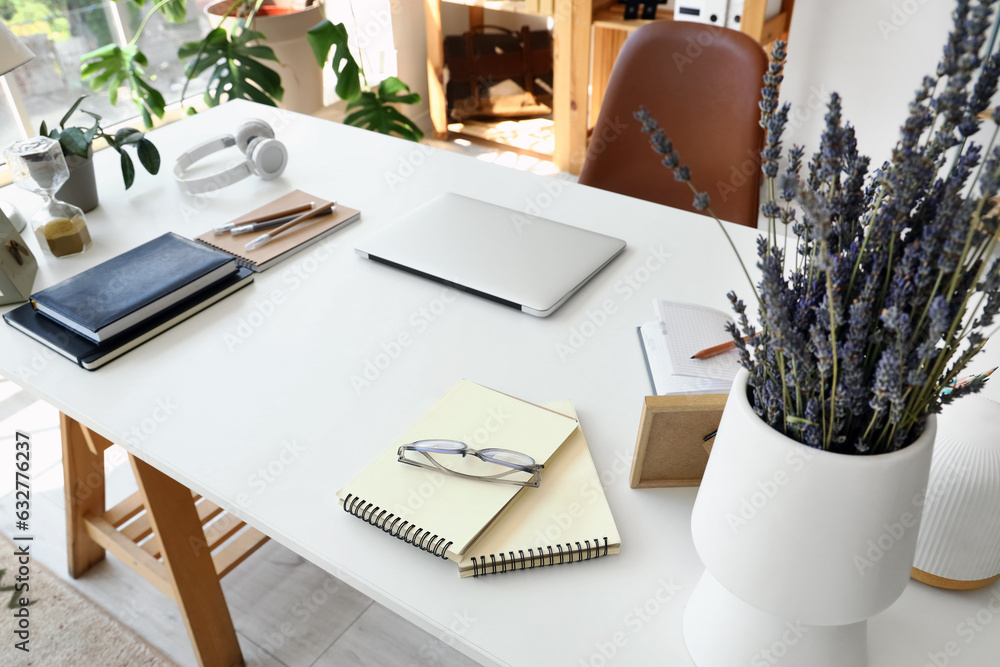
[(77, 145), (811, 502)]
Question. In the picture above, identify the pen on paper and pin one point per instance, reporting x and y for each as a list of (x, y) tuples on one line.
[(268, 224), (264, 239), (716, 350), (284, 213)]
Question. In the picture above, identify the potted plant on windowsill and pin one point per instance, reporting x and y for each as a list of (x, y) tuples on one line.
[(809, 509), (234, 54), (283, 24), (77, 146)]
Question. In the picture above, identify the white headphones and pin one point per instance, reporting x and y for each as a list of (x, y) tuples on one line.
[(265, 157)]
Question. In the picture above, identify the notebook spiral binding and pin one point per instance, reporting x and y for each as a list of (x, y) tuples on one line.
[(500, 563), (406, 531)]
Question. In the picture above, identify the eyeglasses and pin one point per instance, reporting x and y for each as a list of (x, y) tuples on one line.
[(516, 462)]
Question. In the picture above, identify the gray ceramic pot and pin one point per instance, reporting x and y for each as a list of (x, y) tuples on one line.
[(81, 188)]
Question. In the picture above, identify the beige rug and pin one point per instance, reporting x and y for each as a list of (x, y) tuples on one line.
[(65, 627)]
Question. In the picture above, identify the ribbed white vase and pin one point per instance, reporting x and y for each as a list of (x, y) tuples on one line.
[(959, 542), (800, 546)]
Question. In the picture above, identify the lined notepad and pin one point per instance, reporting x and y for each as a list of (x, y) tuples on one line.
[(691, 328)]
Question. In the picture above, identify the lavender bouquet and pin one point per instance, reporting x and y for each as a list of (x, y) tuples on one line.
[(890, 287)]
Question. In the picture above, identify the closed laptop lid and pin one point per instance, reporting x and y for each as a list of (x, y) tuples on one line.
[(513, 258)]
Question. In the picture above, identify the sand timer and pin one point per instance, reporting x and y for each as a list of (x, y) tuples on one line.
[(38, 166)]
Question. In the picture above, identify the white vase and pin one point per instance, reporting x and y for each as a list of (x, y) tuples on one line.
[(301, 76), (800, 546), (959, 543)]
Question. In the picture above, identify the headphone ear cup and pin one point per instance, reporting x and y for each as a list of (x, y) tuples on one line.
[(267, 157), (250, 129)]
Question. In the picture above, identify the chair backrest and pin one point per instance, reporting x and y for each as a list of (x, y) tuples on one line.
[(702, 83)]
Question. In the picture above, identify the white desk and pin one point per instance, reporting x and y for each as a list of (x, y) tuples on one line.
[(272, 366)]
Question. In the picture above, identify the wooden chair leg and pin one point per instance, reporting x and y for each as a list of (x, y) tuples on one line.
[(189, 563), (83, 472)]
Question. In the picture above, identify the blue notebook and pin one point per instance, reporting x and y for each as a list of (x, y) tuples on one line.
[(118, 294), (90, 355)]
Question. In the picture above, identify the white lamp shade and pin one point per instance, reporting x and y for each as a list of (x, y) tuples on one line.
[(12, 52)]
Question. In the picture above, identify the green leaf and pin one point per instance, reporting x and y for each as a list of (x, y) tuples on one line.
[(322, 37), (127, 135), (174, 11), (111, 66), (373, 113), (128, 170), (62, 121), (389, 89), (234, 67), (148, 155), (74, 141), (43, 130)]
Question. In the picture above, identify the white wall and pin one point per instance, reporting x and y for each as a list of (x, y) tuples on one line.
[(873, 52)]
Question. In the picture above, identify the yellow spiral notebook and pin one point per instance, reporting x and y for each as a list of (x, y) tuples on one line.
[(491, 528)]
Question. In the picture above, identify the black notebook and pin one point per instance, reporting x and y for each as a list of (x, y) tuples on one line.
[(91, 355), (115, 295)]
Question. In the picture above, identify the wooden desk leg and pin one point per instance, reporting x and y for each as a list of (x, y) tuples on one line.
[(83, 473), (436, 99), (189, 564)]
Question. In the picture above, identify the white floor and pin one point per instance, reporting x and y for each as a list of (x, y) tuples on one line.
[(287, 612)]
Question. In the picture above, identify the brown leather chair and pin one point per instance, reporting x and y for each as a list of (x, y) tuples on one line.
[(702, 83)]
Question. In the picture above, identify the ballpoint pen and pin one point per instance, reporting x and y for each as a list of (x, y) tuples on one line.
[(299, 208), (269, 236), (268, 224)]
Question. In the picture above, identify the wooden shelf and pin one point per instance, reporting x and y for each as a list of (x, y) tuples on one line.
[(514, 6)]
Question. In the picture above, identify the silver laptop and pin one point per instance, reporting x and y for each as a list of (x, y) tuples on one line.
[(515, 259)]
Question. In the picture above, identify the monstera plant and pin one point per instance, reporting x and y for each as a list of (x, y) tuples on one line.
[(236, 61)]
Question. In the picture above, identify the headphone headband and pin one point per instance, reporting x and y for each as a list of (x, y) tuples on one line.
[(252, 136)]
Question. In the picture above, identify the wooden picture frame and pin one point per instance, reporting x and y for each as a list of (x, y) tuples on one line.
[(676, 434)]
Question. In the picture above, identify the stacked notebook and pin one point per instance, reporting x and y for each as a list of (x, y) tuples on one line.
[(488, 528), (103, 312), (668, 343)]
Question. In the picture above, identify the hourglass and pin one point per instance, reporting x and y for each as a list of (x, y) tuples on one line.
[(38, 166)]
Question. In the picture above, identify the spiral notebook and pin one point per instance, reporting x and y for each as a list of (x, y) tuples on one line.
[(567, 519), (288, 243), (467, 520)]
